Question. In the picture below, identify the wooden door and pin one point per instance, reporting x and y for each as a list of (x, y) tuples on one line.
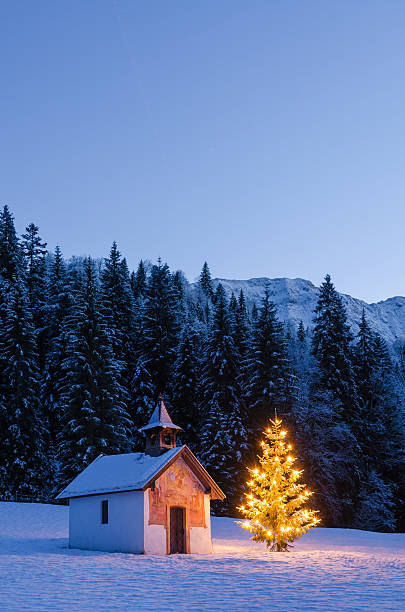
[(177, 530)]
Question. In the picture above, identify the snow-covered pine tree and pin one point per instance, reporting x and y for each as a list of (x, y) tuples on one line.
[(204, 297), (331, 348), (205, 282), (10, 249), (301, 332), (184, 387), (233, 305), (382, 435), (274, 506), (255, 312), (179, 283), (138, 281), (159, 327), (23, 470), (328, 451), (242, 329), (34, 253), (222, 406), (142, 398), (117, 302), (334, 376), (94, 419), (268, 380), (59, 299)]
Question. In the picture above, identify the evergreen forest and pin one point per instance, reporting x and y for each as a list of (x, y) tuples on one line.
[(87, 346)]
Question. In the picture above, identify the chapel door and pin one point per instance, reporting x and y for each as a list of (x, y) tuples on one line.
[(177, 530)]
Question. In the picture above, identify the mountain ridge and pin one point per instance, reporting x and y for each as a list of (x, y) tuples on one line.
[(296, 298)]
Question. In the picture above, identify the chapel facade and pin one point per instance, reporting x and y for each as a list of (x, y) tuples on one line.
[(155, 502)]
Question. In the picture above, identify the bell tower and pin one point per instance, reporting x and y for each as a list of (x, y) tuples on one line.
[(160, 432)]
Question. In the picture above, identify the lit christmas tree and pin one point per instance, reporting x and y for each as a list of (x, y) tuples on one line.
[(275, 506)]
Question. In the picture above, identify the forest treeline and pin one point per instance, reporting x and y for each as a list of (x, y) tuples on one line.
[(87, 346)]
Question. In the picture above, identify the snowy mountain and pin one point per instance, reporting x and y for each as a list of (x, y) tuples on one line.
[(296, 299)]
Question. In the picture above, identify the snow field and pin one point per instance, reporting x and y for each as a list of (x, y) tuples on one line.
[(329, 569)]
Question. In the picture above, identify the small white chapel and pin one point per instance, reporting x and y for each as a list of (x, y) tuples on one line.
[(156, 502)]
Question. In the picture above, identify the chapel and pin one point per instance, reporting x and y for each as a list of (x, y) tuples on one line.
[(151, 502)]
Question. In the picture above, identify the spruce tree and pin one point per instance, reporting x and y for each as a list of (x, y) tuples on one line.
[(301, 332), (10, 249), (22, 459), (34, 252), (159, 327), (381, 438), (222, 406), (138, 281), (59, 299), (184, 388), (274, 507), (334, 378), (118, 310), (328, 450), (269, 381), (255, 312), (331, 348), (142, 399), (205, 282), (242, 327), (93, 414)]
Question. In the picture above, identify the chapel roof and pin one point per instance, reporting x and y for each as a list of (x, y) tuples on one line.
[(160, 418), (134, 472)]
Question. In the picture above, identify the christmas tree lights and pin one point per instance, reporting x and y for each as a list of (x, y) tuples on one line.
[(275, 510)]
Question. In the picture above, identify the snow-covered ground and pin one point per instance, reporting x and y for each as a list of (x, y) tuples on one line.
[(329, 569)]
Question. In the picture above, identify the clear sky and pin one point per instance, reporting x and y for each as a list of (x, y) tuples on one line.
[(266, 137)]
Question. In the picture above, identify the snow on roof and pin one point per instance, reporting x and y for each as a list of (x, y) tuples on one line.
[(160, 418), (114, 473)]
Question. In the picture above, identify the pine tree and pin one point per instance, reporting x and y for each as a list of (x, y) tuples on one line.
[(10, 249), (233, 305), (255, 312), (242, 327), (59, 299), (205, 282), (118, 310), (269, 381), (222, 405), (381, 438), (184, 388), (334, 378), (138, 281), (34, 252), (274, 509), (159, 327), (301, 332), (93, 414), (179, 283), (22, 458), (328, 450), (142, 399), (117, 302), (331, 348)]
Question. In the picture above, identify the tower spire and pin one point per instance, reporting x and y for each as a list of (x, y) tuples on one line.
[(160, 432)]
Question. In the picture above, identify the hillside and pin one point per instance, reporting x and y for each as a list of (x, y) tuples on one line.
[(296, 299), (329, 569)]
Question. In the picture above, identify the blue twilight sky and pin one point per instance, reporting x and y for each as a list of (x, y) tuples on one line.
[(264, 136)]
